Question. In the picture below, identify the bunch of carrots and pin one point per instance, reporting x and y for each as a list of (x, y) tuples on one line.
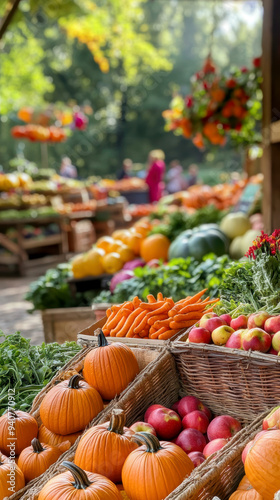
[(159, 318)]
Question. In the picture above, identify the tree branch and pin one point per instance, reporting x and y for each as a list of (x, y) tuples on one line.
[(10, 12)]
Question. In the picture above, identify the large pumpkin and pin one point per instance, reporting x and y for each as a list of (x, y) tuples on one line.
[(245, 491), (155, 247), (49, 437), (6, 477), (155, 469), (86, 486), (37, 458), (24, 429), (104, 448), (262, 464), (110, 367), (69, 406)]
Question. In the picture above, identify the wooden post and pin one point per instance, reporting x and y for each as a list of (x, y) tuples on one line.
[(271, 114)]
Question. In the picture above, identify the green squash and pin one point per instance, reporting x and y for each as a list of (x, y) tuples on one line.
[(199, 242)]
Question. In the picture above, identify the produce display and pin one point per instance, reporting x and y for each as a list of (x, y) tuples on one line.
[(14, 215), (160, 318)]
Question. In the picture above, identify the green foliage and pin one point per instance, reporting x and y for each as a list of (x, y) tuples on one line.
[(26, 369)]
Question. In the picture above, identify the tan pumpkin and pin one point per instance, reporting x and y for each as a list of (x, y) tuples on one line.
[(49, 437), (70, 406), (155, 469), (11, 478), (110, 367), (37, 458), (104, 448), (245, 491), (20, 426), (262, 464), (86, 486)]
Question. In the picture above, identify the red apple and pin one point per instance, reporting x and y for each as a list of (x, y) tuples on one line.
[(227, 318), (221, 335), (214, 446), (235, 340), (272, 421), (272, 351), (258, 319), (191, 440), (149, 411), (166, 423), (174, 407), (223, 426), (191, 403), (272, 325), (205, 318), (196, 420), (200, 336), (239, 323), (276, 341), (143, 427), (257, 340), (213, 323), (196, 457)]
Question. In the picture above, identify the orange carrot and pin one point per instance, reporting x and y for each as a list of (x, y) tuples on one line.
[(192, 307), (117, 317), (116, 308), (136, 302), (152, 330), (117, 328), (168, 334), (180, 318), (129, 321), (106, 331), (161, 323), (152, 307), (109, 312), (141, 325), (135, 321), (151, 299), (159, 297), (163, 308), (156, 334), (183, 324), (156, 317)]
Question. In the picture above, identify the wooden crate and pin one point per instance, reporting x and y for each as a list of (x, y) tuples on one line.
[(62, 325)]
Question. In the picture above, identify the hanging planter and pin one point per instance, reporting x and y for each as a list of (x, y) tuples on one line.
[(220, 107)]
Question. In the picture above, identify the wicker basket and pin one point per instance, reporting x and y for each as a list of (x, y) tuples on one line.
[(248, 381), (152, 363)]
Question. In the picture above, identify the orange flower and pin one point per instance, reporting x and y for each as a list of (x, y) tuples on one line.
[(186, 127), (198, 141), (218, 94)]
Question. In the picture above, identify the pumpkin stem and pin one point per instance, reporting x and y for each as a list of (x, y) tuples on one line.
[(74, 382), (36, 445), (152, 443), (82, 481), (102, 341), (117, 421)]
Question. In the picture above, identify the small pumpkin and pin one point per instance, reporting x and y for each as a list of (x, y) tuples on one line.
[(86, 486), (110, 367), (104, 448), (37, 458), (7, 489), (24, 429), (245, 491), (69, 406), (155, 469), (262, 464), (49, 437)]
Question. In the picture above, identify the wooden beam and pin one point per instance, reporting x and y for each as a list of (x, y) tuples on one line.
[(271, 112), (8, 16)]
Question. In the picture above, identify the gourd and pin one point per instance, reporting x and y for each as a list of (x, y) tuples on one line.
[(104, 448), (155, 469), (199, 242), (86, 486), (110, 367), (235, 224), (70, 406), (23, 428), (5, 470), (245, 491)]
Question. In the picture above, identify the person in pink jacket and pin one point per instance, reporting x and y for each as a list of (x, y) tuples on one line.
[(155, 175)]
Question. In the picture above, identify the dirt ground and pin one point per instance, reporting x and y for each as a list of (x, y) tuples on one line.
[(13, 310)]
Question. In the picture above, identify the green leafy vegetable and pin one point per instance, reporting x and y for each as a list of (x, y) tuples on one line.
[(26, 369)]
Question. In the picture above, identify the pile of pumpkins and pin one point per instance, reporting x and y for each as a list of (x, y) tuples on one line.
[(65, 412), (110, 254)]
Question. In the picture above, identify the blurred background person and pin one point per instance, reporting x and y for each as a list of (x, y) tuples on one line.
[(175, 179), (125, 172), (67, 169), (155, 174), (192, 177)]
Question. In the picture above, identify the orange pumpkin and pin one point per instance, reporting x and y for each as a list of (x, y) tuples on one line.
[(110, 367), (49, 437), (24, 429), (86, 486), (155, 247), (262, 464), (155, 469), (37, 458), (69, 406), (245, 491), (104, 448), (6, 468)]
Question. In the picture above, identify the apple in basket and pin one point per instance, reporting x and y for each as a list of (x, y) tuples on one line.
[(196, 420), (223, 426), (235, 340), (166, 423), (191, 403), (272, 421), (257, 340), (196, 457), (200, 336), (272, 325), (257, 320), (211, 323), (227, 318), (143, 427), (150, 410), (214, 446), (276, 341), (203, 320), (221, 335), (191, 440)]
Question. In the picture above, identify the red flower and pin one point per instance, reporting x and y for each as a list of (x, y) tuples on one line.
[(244, 69), (189, 101), (231, 83), (257, 62), (205, 85), (238, 127)]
